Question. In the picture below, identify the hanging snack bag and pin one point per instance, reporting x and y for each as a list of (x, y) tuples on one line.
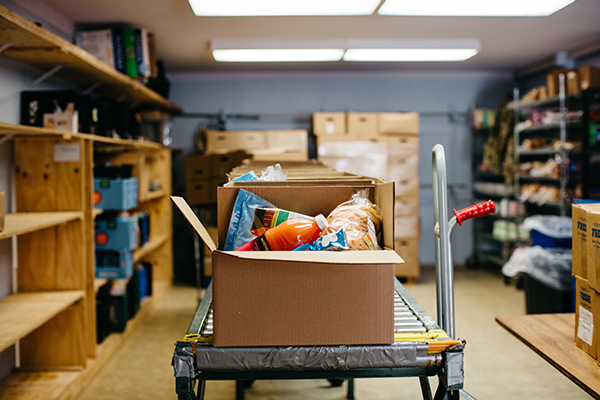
[(360, 219)]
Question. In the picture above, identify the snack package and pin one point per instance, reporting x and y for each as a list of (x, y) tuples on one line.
[(242, 218), (331, 241), (360, 219), (269, 217)]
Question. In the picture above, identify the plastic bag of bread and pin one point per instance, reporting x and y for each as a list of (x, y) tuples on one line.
[(360, 219)]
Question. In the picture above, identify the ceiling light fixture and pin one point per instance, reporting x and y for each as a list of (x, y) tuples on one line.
[(277, 50), (474, 8), (257, 8), (277, 55), (408, 55), (415, 50)]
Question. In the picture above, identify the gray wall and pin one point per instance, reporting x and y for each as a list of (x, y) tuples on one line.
[(304, 93)]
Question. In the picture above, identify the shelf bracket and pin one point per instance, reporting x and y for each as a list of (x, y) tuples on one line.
[(6, 138), (4, 47), (91, 88), (47, 75)]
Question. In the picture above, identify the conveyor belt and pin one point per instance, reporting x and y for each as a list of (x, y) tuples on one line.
[(411, 323)]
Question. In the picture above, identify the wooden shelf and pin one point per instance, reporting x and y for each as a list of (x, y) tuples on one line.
[(23, 223), (154, 195), (22, 313), (64, 385), (149, 247), (36, 131), (34, 46), (98, 283), (96, 212)]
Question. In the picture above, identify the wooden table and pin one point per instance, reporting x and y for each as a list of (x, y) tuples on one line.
[(552, 337)]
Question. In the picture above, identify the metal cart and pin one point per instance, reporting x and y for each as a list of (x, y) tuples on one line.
[(422, 347)]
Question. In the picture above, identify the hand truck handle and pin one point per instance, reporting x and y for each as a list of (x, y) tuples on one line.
[(475, 211)]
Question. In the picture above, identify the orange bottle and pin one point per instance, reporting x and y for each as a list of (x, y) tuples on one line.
[(288, 235)]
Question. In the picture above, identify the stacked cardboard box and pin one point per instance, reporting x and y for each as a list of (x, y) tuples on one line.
[(276, 145), (382, 145), (585, 268), (203, 173)]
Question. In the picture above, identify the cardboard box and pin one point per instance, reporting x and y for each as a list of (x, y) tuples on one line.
[(398, 123), (2, 210), (116, 194), (276, 156), (409, 251), (401, 145), (407, 187), (407, 227), (203, 192), (119, 233), (587, 317), (593, 249), (553, 83), (197, 167), (407, 206), (288, 141), (302, 298), (224, 142), (589, 77), (580, 234), (328, 124), (362, 125), (573, 83)]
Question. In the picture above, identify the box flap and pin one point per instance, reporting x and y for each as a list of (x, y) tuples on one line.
[(193, 219), (332, 257)]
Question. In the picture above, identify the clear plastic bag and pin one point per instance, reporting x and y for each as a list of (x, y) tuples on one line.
[(360, 219), (551, 267), (273, 173)]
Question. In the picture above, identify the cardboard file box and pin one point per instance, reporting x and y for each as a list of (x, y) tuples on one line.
[(302, 298), (329, 124), (587, 317)]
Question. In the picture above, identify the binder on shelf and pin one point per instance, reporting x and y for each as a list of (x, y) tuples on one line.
[(142, 53), (130, 57), (119, 50)]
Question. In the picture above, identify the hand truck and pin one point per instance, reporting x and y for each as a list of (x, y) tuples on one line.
[(422, 347)]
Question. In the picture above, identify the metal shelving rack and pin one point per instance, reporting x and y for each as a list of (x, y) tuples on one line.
[(564, 131)]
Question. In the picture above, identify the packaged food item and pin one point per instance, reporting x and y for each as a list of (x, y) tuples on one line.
[(269, 217), (331, 241), (242, 217), (360, 219), (288, 235)]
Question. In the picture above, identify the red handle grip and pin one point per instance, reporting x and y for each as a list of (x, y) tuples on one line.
[(475, 211)]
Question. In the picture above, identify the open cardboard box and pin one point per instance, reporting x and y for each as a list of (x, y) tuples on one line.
[(286, 298)]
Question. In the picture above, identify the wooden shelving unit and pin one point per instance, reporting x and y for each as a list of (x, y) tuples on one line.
[(53, 312), (28, 222), (34, 46), (23, 313)]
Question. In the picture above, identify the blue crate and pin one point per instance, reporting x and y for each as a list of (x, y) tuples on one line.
[(120, 233), (115, 194), (114, 264), (142, 275), (144, 226)]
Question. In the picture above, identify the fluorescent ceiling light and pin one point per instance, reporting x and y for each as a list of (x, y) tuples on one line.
[(408, 55), (472, 8), (277, 55), (248, 8)]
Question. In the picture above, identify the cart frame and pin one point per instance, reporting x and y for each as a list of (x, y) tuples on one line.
[(448, 365)]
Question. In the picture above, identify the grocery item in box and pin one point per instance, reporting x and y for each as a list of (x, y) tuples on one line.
[(361, 220), (239, 231)]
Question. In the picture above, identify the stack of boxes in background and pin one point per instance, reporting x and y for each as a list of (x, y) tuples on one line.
[(586, 272), (118, 232), (271, 145), (576, 80), (381, 145)]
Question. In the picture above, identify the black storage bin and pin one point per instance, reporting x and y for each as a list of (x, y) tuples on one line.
[(543, 299)]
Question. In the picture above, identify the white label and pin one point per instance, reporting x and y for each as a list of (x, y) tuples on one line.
[(585, 328), (67, 152), (330, 127)]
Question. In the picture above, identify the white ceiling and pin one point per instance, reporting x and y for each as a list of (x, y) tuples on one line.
[(183, 40)]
